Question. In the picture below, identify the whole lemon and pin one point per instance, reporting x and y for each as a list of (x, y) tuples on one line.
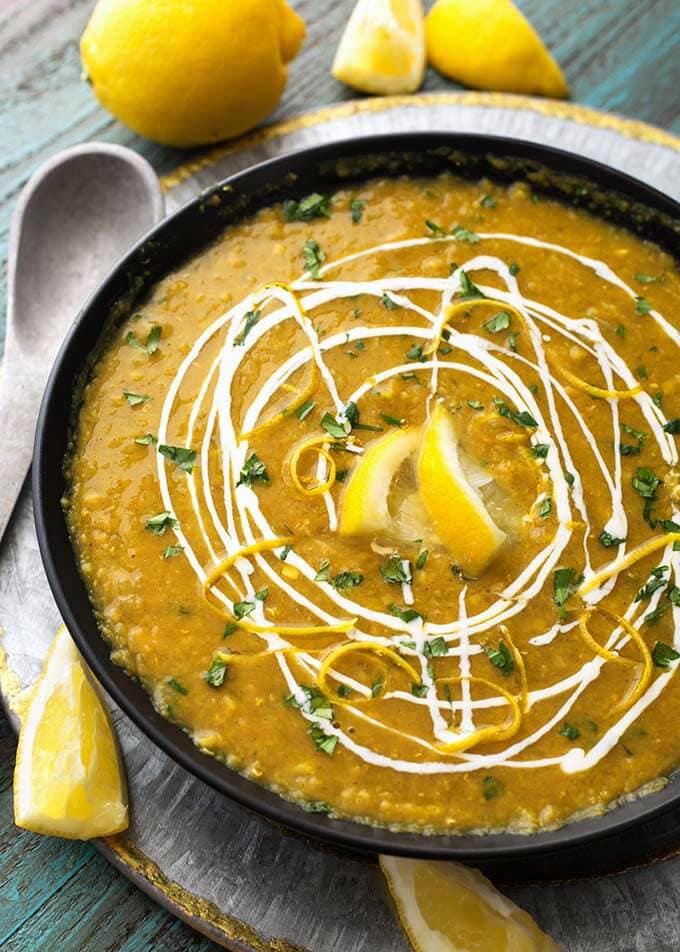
[(190, 72)]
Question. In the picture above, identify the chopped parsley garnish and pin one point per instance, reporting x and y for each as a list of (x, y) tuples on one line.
[(315, 702), (672, 427), (388, 303), (404, 614), (415, 353), (645, 483), (262, 595), (216, 673), (436, 230), (392, 420), (397, 570), (488, 201), (491, 787), (540, 450), (457, 572), (150, 346), (326, 743), (565, 583), (656, 581), (177, 686), (254, 471), (435, 647), (642, 305), (646, 278), (418, 690), (669, 526), (469, 290), (313, 257), (663, 655), (475, 405), (657, 399), (620, 330), (323, 574), (499, 322), (344, 691), (241, 609), (545, 508), (570, 731), (134, 399), (501, 657), (304, 409), (377, 687), (318, 806), (522, 418), (172, 551), (285, 552), (181, 456), (341, 475), (356, 209), (346, 580), (147, 440), (229, 629), (333, 428), (251, 319), (313, 206), (513, 340), (514, 269), (422, 559), (160, 522), (464, 234), (608, 540), (641, 371)]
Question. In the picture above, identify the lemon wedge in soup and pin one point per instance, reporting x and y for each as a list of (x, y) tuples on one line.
[(454, 507), (364, 508)]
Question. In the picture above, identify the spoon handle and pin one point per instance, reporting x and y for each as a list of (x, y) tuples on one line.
[(19, 405)]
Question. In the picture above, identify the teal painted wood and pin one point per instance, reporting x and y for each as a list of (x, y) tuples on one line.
[(618, 56)]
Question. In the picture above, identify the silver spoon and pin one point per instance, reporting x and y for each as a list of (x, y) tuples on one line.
[(76, 216)]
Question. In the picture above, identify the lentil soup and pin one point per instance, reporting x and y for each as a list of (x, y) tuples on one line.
[(378, 498)]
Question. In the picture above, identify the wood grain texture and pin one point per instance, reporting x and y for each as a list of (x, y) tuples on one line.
[(618, 55)]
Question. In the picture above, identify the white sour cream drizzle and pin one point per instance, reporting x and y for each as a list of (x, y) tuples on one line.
[(244, 523)]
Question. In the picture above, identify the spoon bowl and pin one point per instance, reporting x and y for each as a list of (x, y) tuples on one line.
[(77, 215)]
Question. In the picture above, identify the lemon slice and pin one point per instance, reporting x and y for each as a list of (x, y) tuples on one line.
[(489, 44), (446, 907), (383, 47), (364, 509), (68, 779), (455, 509)]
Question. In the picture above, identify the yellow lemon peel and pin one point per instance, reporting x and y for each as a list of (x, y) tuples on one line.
[(521, 668), (363, 646), (491, 732), (608, 655), (315, 443), (599, 392), (262, 545), (618, 565)]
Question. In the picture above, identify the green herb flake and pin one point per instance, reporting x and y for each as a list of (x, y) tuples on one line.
[(160, 522), (323, 574), (134, 399), (499, 322), (397, 570), (415, 353), (176, 686), (388, 303), (313, 206), (172, 551), (250, 320), (645, 482), (491, 787), (475, 405), (150, 346), (545, 508), (565, 583), (346, 580), (333, 428), (435, 647), (326, 743), (229, 629), (663, 655), (540, 450), (254, 471), (488, 201), (344, 690), (319, 806), (435, 230), (356, 209), (464, 234), (646, 278), (620, 331), (262, 595), (642, 305), (570, 731), (469, 290), (242, 609), (305, 409), (672, 427), (501, 657), (422, 559), (404, 614), (392, 420), (418, 690), (181, 456), (376, 687), (521, 418), (514, 269), (608, 540), (313, 257), (216, 673), (147, 440)]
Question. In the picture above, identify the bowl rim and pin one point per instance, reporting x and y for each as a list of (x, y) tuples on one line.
[(51, 441)]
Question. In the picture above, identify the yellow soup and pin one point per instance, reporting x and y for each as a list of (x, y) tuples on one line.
[(378, 499)]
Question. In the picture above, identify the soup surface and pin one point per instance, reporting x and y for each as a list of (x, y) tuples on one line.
[(378, 498)]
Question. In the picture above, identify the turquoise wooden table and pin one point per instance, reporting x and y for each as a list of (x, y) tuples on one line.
[(64, 896)]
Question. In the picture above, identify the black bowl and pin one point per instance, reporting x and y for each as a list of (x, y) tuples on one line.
[(575, 180)]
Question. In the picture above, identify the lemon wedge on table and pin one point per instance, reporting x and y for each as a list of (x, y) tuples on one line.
[(364, 509), (383, 47), (454, 507), (489, 44), (68, 779), (446, 907), (185, 73)]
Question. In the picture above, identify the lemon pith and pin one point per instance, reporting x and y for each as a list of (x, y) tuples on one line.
[(454, 508), (383, 47), (489, 44), (68, 779), (188, 74), (364, 504), (446, 907)]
